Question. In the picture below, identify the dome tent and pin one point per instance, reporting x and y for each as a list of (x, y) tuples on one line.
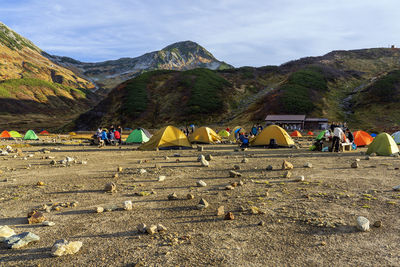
[(204, 135), (296, 134), (272, 132), (138, 135), (30, 135), (362, 138), (383, 145), (168, 137)]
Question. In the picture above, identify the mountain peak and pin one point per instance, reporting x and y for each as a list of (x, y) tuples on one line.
[(13, 40), (186, 47)]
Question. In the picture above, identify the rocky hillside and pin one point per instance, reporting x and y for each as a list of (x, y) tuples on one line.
[(178, 56), (32, 84), (358, 86)]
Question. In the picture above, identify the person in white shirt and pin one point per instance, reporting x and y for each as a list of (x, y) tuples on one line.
[(338, 135)]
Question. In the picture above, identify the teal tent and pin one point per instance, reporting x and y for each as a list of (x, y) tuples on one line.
[(138, 135), (30, 135)]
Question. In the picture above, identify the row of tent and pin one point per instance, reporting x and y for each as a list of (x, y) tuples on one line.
[(29, 135), (172, 137)]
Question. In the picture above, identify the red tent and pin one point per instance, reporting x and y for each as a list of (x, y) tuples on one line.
[(5, 134), (362, 138), (296, 134), (310, 133), (44, 132)]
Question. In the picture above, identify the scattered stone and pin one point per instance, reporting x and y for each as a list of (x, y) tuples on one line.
[(40, 183), (21, 240), (82, 162), (396, 188), (236, 167), (53, 162), (269, 168), (35, 217), (63, 247), (3, 153), (201, 183), (204, 163), (229, 216), (229, 187), (189, 196), (286, 165), (74, 204), (166, 157), (157, 166), (5, 232), (372, 154), (142, 171), (177, 155), (287, 174), (262, 223), (202, 204), (142, 228), (48, 223), (236, 150), (200, 148), (367, 157), (362, 223), (172, 196), (110, 187), (128, 205), (119, 169), (161, 178), (358, 160), (200, 157), (245, 160), (69, 159), (161, 228), (221, 211), (354, 165), (209, 157), (299, 178), (152, 229), (99, 209), (308, 165), (234, 174), (240, 183), (377, 224), (111, 208)]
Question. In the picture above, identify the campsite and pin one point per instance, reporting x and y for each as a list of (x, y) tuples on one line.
[(253, 207)]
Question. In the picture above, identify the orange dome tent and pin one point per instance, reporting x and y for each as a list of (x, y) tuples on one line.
[(310, 133), (362, 138), (5, 134), (296, 134), (44, 132)]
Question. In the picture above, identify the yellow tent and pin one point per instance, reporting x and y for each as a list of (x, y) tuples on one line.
[(224, 133), (204, 135), (237, 129), (72, 133), (383, 145), (168, 136), (272, 132)]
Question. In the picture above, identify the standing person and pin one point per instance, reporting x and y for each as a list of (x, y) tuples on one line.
[(254, 130), (259, 128), (119, 129), (187, 131), (112, 128), (338, 135), (117, 137)]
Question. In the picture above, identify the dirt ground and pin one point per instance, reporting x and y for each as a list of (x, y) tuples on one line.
[(309, 223)]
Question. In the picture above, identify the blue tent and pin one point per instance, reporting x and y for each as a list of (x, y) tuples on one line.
[(373, 135)]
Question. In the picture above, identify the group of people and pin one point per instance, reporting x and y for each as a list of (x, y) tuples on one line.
[(109, 136), (341, 134), (188, 130)]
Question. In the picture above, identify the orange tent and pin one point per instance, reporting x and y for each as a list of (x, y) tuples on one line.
[(362, 138), (296, 134), (44, 132), (310, 133), (5, 134)]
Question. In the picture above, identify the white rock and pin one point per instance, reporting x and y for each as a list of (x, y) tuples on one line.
[(48, 223), (152, 229), (128, 205), (396, 188), (5, 232), (308, 165), (30, 155), (69, 159), (142, 228), (142, 171), (201, 183), (200, 157), (161, 178), (362, 223), (299, 178), (99, 209), (63, 247), (4, 153), (204, 163), (161, 227)]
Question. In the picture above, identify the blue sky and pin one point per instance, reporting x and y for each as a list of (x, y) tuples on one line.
[(242, 33)]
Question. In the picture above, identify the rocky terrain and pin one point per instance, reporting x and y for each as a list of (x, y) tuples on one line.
[(237, 211)]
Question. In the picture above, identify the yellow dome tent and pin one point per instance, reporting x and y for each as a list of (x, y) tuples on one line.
[(224, 133), (167, 137), (204, 135), (383, 145), (72, 133), (272, 132), (235, 131)]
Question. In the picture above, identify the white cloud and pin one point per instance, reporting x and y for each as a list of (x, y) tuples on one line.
[(239, 32)]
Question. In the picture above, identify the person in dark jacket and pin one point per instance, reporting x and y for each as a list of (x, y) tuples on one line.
[(254, 130), (244, 140), (349, 135)]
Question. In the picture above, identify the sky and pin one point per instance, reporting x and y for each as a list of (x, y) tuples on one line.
[(241, 33)]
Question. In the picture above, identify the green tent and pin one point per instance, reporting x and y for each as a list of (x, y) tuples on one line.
[(138, 135), (15, 134), (30, 135), (321, 135), (383, 145)]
